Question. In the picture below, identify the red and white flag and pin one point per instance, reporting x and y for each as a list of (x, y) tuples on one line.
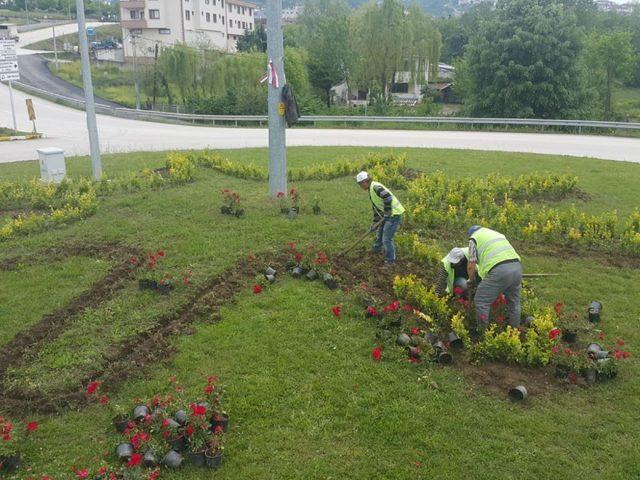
[(271, 77)]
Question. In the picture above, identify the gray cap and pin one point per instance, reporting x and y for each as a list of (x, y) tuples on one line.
[(455, 255)]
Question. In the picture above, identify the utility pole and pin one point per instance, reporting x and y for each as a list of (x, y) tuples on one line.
[(13, 108), (277, 141), (135, 72), (26, 9), (69, 9), (155, 76), (92, 127), (55, 47)]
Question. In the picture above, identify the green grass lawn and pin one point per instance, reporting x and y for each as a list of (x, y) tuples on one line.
[(305, 398), (626, 102), (4, 131)]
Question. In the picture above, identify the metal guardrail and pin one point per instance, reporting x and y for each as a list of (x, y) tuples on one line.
[(193, 118)]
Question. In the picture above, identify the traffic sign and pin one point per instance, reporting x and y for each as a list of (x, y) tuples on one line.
[(91, 31), (8, 67), (9, 77)]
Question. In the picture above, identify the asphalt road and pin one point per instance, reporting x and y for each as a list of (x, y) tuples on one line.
[(27, 38), (34, 72), (66, 128)]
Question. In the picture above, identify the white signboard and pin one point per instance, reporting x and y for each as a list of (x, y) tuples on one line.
[(9, 70)]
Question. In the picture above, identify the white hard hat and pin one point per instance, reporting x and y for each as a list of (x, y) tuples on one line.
[(362, 176), (455, 255)]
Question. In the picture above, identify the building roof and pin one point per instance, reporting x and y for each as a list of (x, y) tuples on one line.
[(242, 3)]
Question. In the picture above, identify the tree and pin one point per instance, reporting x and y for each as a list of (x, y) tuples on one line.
[(524, 62), (253, 40), (326, 38), (611, 57)]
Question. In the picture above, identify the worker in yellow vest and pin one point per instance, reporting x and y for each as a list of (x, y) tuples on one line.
[(452, 275), (499, 266), (386, 207)]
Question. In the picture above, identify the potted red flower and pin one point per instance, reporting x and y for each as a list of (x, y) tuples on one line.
[(215, 447)]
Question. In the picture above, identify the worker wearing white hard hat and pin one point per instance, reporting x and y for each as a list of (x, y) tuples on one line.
[(452, 276), (386, 207)]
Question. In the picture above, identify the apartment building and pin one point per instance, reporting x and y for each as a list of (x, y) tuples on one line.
[(206, 23)]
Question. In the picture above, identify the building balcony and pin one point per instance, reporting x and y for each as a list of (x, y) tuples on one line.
[(133, 4), (129, 24)]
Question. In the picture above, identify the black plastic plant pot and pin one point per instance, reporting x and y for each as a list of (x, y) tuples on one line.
[(140, 412), (605, 369), (213, 460), (240, 213), (143, 284), (528, 321), (312, 274), (284, 210), (221, 420), (602, 354), (403, 339), (150, 460), (454, 340), (296, 272), (570, 336), (179, 444), (197, 459), (120, 423), (329, 281), (225, 210), (444, 358), (292, 214), (270, 271), (594, 310), (10, 463), (593, 349), (295, 209), (439, 346), (414, 352), (317, 210), (430, 337), (173, 459), (270, 278), (173, 424), (180, 417), (590, 375), (518, 393), (562, 371), (124, 452)]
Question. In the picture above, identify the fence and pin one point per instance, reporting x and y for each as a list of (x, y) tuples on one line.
[(153, 115)]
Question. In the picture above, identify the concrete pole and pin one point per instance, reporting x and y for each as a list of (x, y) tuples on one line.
[(13, 108), (26, 9), (277, 142), (135, 72), (92, 127), (55, 47)]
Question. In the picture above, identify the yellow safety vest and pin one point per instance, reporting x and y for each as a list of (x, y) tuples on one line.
[(378, 204), (492, 248), (451, 273)]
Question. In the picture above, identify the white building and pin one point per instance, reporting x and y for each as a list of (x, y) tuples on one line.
[(207, 23)]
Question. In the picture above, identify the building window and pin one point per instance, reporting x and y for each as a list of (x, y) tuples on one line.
[(206, 2), (250, 26), (230, 23), (222, 3), (244, 25), (187, 15), (400, 88), (230, 8), (154, 14), (250, 11), (134, 14), (164, 31), (243, 10), (215, 18), (222, 18), (208, 17), (135, 31)]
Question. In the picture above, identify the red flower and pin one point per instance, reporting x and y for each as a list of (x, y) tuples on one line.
[(376, 354), (155, 474), (32, 426), (558, 308), (135, 460), (415, 331), (218, 429), (372, 311), (573, 377), (620, 342), (555, 349), (457, 291), (626, 354), (93, 387), (292, 246), (166, 434), (257, 288), (363, 286), (280, 195), (198, 410), (298, 257), (133, 260), (102, 471), (553, 333), (165, 423), (188, 431), (568, 351), (104, 400), (6, 437), (392, 307), (601, 335), (208, 389), (407, 308), (336, 310), (148, 418), (161, 253), (500, 319), (418, 463), (84, 473)]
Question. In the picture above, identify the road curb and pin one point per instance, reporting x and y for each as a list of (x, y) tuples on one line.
[(14, 138)]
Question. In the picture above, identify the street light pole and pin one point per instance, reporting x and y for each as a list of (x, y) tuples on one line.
[(55, 47), (277, 141), (90, 107), (135, 72), (26, 9)]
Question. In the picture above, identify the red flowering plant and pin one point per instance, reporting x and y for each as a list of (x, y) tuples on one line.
[(294, 195), (569, 360), (13, 437), (282, 200), (198, 428), (231, 202), (321, 263)]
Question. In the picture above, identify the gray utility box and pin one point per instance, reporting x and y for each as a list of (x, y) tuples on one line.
[(52, 166)]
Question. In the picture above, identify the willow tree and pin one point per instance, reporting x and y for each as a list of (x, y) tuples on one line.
[(388, 39)]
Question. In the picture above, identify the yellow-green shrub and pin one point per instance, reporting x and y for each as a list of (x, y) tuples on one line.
[(413, 291), (180, 167)]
